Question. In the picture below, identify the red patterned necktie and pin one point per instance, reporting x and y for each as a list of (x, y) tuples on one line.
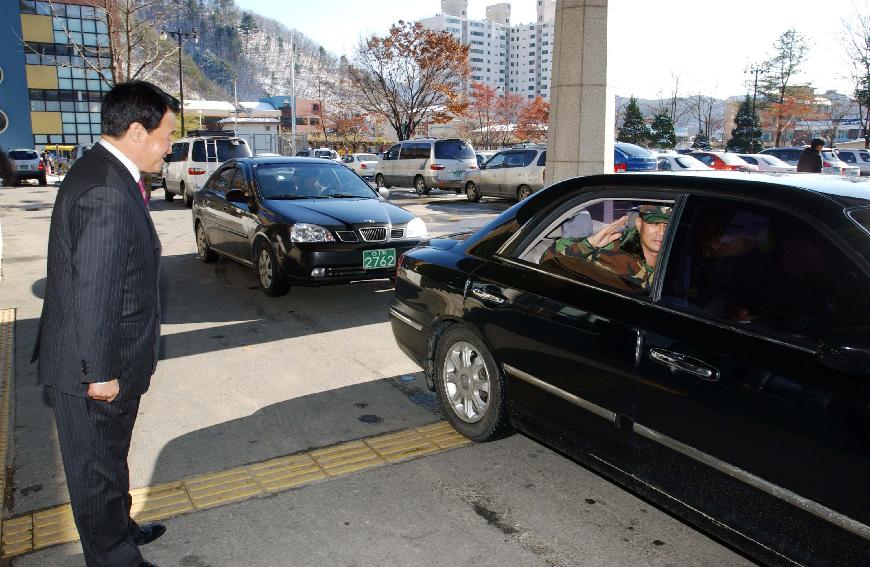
[(142, 190)]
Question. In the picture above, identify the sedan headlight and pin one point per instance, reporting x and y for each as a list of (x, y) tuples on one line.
[(416, 229), (304, 232)]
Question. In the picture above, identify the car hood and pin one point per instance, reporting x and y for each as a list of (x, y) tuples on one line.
[(341, 212)]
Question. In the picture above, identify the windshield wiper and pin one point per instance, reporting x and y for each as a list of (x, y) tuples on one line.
[(346, 196), (291, 197)]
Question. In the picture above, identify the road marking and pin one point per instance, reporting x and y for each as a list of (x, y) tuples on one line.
[(46, 528)]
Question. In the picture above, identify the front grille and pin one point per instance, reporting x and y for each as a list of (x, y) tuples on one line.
[(397, 233), (350, 271), (347, 236), (374, 234)]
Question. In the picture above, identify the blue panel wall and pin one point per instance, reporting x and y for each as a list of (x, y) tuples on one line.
[(14, 99)]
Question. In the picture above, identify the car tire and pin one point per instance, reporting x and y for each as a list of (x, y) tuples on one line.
[(43, 181), (523, 192), (203, 250), (266, 268), (167, 194), (420, 185), (186, 196), (472, 192), (470, 386), (379, 181)]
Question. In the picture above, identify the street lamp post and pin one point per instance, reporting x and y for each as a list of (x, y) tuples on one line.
[(180, 37), (755, 69)]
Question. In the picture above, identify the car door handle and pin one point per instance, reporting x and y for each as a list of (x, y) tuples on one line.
[(486, 293), (680, 362)]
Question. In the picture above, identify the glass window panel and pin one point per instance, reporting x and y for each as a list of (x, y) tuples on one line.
[(40, 139), (58, 23), (81, 107), (85, 140), (62, 60), (78, 73), (59, 9), (79, 84), (100, 14), (64, 84), (52, 106), (91, 74), (106, 87), (67, 95), (93, 85), (69, 128), (43, 8), (50, 95), (88, 12), (68, 116), (102, 28), (36, 94), (73, 11), (37, 105), (89, 39), (74, 25), (95, 129), (56, 139), (32, 59), (95, 97), (94, 107), (27, 6), (89, 26), (60, 37), (103, 40), (76, 37), (75, 61), (82, 117), (95, 117), (68, 106)]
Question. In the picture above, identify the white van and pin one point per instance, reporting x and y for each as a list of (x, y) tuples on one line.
[(426, 163), (195, 158)]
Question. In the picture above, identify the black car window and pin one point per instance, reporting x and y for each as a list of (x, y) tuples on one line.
[(664, 164), (392, 153), (705, 159), (542, 161), (232, 148), (610, 242), (749, 159), (848, 157), (865, 156), (285, 181), (223, 180), (496, 161), (198, 153), (514, 159), (762, 269), (453, 149), (23, 154), (238, 182)]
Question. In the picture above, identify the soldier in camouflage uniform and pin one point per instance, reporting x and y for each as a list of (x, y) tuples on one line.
[(630, 253)]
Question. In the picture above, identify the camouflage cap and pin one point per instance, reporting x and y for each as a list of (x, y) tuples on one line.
[(655, 214)]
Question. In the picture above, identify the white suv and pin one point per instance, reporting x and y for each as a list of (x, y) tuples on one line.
[(195, 158)]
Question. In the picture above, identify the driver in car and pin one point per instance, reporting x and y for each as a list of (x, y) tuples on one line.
[(628, 252), (307, 182)]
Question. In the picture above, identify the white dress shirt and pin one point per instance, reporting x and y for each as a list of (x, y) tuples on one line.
[(131, 167)]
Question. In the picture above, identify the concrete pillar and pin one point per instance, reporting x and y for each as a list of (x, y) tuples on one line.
[(582, 114)]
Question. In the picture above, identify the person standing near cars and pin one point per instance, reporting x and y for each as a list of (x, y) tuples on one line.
[(100, 325), (811, 158)]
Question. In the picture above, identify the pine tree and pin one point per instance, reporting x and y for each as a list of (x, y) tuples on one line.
[(662, 133), (701, 142), (634, 130), (746, 135)]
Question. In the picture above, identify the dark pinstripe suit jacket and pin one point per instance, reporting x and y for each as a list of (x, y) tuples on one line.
[(101, 314)]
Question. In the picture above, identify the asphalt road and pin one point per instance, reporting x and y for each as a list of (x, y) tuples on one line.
[(244, 378)]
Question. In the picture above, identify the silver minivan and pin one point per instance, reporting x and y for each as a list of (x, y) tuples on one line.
[(859, 158), (195, 158), (513, 174), (426, 163)]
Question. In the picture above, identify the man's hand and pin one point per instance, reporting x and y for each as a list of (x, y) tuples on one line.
[(609, 233), (104, 391)]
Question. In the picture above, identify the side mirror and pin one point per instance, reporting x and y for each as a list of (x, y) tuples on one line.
[(384, 192), (482, 166), (847, 351), (236, 196)]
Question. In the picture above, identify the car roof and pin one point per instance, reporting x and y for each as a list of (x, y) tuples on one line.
[(260, 160)]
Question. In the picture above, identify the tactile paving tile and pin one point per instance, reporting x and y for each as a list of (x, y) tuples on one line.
[(17, 536), (54, 526), (160, 501), (346, 458), (443, 435), (214, 489), (401, 445), (286, 472)]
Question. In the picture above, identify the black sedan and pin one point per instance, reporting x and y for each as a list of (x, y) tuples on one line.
[(703, 340), (300, 221)]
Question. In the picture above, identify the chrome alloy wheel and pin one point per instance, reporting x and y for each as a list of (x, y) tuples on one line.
[(265, 268), (201, 243), (466, 382)]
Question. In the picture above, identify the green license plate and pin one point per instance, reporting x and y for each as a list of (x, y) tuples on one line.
[(374, 259)]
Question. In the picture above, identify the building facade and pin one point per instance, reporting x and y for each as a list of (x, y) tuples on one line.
[(509, 58), (50, 93)]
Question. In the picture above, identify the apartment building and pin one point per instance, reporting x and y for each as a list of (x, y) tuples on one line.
[(509, 58)]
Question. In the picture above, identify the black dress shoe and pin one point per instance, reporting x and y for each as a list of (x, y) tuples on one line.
[(149, 533)]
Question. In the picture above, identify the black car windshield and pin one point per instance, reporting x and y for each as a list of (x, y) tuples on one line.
[(23, 154), (310, 181), (227, 149), (453, 149)]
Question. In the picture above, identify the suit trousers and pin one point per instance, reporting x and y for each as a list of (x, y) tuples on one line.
[(94, 441)]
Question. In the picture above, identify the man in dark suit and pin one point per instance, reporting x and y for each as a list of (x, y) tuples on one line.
[(97, 345)]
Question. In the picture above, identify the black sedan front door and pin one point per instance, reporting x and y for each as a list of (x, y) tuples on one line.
[(737, 415)]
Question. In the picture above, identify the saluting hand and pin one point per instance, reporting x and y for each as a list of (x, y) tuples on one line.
[(609, 233), (104, 391)]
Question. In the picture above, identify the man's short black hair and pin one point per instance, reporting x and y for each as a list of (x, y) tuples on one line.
[(817, 142), (135, 101)]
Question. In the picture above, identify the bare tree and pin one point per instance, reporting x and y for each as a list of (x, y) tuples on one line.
[(790, 52), (856, 42), (834, 114)]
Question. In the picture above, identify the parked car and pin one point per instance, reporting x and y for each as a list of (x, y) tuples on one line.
[(628, 157), (766, 162), (27, 165), (513, 174), (725, 161), (831, 164), (426, 163), (194, 158), (7, 172), (362, 164), (322, 153), (679, 162), (300, 221), (734, 393), (856, 158)]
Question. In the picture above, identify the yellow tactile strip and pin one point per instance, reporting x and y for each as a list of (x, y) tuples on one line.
[(7, 355), (53, 526)]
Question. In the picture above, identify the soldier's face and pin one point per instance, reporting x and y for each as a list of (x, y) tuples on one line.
[(651, 234)]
